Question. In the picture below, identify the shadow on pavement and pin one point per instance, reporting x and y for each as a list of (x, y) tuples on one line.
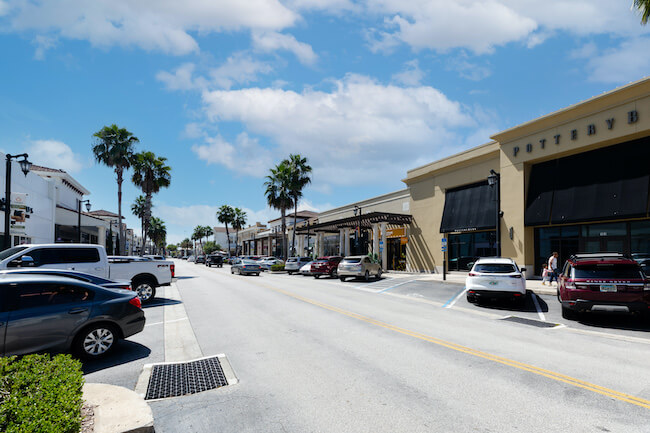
[(126, 351), (157, 302), (508, 305), (184, 277), (362, 280), (615, 321)]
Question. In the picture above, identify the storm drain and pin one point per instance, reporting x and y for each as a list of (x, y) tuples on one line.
[(175, 380), (531, 322)]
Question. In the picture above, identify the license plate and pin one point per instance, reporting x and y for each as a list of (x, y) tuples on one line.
[(607, 288)]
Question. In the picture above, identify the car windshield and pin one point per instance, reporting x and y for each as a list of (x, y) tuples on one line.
[(10, 252), (607, 271), (292, 259), (352, 260), (494, 268), (249, 262)]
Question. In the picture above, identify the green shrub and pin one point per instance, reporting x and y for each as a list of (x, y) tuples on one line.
[(40, 394), (277, 267)]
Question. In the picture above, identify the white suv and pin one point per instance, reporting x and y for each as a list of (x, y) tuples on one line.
[(492, 278)]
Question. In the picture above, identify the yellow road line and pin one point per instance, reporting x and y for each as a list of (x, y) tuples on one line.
[(495, 358)]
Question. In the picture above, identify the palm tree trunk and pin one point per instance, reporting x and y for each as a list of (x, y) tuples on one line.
[(295, 219), (227, 239), (284, 234), (146, 222), (118, 171)]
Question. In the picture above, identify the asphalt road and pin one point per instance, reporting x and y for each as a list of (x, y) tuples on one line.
[(397, 355)]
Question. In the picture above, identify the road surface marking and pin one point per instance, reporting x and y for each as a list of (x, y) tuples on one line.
[(485, 355), (450, 303), (396, 285), (169, 321), (538, 308)]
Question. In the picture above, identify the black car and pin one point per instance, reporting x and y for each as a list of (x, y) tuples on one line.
[(81, 276), (57, 314), (214, 260), (199, 259)]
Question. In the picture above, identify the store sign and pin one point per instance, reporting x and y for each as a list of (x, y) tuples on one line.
[(396, 233), (18, 213), (591, 129)]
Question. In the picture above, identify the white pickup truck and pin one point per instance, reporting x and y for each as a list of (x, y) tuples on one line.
[(145, 275)]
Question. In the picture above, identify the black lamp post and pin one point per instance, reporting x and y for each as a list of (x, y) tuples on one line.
[(25, 165), (79, 217), (357, 233), (494, 180), (307, 247)]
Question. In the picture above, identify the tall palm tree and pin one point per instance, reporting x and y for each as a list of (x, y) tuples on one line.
[(139, 209), (114, 147), (300, 178), (157, 232), (150, 173), (197, 235), (644, 7), (225, 215), (238, 223), (278, 196), (207, 232)]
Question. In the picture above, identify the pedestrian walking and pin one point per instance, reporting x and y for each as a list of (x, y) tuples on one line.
[(545, 274), (552, 266)]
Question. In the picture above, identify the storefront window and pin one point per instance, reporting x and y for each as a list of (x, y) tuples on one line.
[(465, 248), (640, 237)]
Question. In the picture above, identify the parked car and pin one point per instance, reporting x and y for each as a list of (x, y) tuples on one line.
[(245, 266), (81, 276), (199, 260), (57, 314), (294, 264), (191, 258), (214, 260), (325, 266), (145, 275), (153, 257), (358, 267), (267, 262), (305, 270), (496, 278), (602, 282), (183, 257)]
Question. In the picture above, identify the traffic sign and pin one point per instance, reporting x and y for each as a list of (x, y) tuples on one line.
[(444, 248), (444, 241)]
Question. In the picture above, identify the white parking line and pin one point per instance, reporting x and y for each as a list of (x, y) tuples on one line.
[(537, 307), (451, 302), (169, 321)]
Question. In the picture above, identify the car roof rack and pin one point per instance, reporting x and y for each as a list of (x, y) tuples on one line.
[(599, 255)]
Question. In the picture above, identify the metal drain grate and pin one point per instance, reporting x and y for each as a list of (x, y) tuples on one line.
[(531, 322), (174, 380)]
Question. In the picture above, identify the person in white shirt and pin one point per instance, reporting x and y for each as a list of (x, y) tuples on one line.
[(552, 267)]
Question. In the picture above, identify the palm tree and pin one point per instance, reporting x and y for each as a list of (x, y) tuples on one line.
[(150, 173), (238, 223), (197, 235), (139, 209), (157, 232), (225, 215), (278, 196), (644, 7), (207, 232), (300, 178), (114, 148)]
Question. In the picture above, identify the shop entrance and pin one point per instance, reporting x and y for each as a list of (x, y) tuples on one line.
[(396, 254)]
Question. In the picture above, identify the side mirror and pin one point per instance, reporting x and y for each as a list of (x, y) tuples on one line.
[(26, 262), (522, 269)]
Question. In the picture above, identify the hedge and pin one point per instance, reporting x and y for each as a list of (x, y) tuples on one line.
[(277, 267), (40, 394)]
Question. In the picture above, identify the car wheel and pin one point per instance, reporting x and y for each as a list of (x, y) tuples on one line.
[(232, 271), (366, 276), (471, 299), (289, 272), (145, 289), (379, 274), (342, 279), (568, 313), (95, 341), (317, 276)]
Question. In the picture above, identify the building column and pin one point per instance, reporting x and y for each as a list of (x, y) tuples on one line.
[(347, 241), (375, 239), (101, 236), (384, 251), (342, 243), (321, 249)]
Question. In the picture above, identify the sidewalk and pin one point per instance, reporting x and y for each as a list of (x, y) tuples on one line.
[(459, 278)]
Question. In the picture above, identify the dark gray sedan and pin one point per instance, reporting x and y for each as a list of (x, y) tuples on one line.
[(75, 275), (56, 314), (245, 266)]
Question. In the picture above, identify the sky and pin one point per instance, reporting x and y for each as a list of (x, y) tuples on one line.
[(226, 89)]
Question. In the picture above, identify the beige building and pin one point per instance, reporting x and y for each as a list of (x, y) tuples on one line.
[(575, 180)]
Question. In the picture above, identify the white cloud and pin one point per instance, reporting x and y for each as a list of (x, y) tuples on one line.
[(273, 41), (181, 79), (245, 156), (331, 6), (412, 75), (627, 62), (467, 69), (238, 69), (54, 154), (163, 25), (359, 132), (43, 43)]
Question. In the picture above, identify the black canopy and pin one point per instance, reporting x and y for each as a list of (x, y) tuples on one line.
[(367, 220), (469, 208)]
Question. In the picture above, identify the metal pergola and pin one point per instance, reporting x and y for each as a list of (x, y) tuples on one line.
[(365, 220)]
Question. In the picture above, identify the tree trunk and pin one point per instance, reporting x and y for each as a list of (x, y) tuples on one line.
[(147, 211), (227, 239), (295, 219), (119, 170), (284, 234)]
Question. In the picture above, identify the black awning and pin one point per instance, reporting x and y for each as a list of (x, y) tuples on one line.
[(472, 207), (608, 183), (367, 220)]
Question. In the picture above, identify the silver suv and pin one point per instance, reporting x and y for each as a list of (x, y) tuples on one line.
[(358, 266), (294, 264)]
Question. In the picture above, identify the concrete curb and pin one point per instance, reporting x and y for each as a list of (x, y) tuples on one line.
[(118, 409)]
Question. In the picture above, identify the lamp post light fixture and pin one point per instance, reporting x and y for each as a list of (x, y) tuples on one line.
[(79, 217), (494, 180), (25, 166), (357, 233)]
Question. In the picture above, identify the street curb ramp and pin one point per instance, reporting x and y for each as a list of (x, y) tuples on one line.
[(118, 409)]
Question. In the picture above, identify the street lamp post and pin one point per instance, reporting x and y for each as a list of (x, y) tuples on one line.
[(494, 180), (307, 247), (79, 217), (357, 233), (25, 165)]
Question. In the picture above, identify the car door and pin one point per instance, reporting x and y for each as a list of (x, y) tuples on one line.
[(4, 315), (43, 316)]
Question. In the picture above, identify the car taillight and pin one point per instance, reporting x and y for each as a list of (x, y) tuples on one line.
[(136, 302), (570, 286), (173, 269), (472, 274), (646, 287)]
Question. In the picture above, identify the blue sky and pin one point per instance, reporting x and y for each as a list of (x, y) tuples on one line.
[(224, 89)]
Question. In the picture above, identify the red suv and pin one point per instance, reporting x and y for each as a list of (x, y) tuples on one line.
[(602, 282), (325, 266)]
